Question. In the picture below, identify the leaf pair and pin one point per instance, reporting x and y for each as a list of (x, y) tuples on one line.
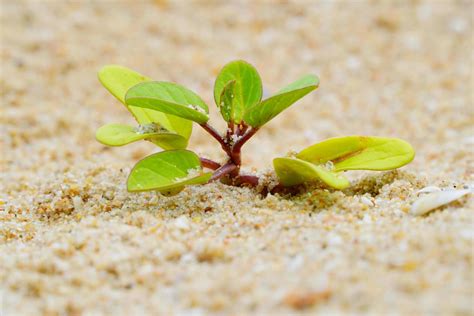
[(238, 94), (237, 87), (168, 172), (175, 131), (158, 102), (325, 160)]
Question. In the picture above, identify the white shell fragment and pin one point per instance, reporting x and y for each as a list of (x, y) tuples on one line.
[(429, 189), (365, 200), (433, 200), (182, 223)]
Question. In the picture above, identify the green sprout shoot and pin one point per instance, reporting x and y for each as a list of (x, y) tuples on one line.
[(165, 113)]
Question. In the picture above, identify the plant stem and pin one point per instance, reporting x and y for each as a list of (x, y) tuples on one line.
[(231, 128), (243, 129), (233, 151), (208, 128), (238, 145), (236, 148), (222, 171), (210, 164), (248, 180), (282, 189)]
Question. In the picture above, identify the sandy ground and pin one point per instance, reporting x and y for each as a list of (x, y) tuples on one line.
[(73, 241)]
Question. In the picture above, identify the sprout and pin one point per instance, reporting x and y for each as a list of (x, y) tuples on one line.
[(165, 112)]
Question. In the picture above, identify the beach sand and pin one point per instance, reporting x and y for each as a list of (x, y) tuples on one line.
[(73, 241)]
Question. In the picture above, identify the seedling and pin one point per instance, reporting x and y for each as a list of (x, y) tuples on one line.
[(165, 112)]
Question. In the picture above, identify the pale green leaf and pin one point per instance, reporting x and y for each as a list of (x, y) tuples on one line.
[(303, 82), (247, 88), (168, 98), (120, 134), (293, 171), (360, 153), (226, 106), (167, 172), (266, 110), (118, 80)]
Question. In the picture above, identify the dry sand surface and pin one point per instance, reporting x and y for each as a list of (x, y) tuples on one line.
[(73, 241)]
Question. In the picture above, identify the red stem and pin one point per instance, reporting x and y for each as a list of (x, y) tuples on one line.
[(232, 167), (248, 180), (208, 128), (222, 171), (210, 164), (230, 129), (238, 145), (235, 153), (282, 189), (243, 129)]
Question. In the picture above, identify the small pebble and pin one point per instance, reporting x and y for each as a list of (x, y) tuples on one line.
[(78, 203), (182, 223), (365, 200)]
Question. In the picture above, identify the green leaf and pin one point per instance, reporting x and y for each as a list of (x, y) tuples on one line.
[(168, 98), (226, 106), (293, 171), (118, 80), (247, 88), (120, 134), (266, 110), (167, 172), (360, 153)]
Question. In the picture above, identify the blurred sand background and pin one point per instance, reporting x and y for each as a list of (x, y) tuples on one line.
[(73, 241)]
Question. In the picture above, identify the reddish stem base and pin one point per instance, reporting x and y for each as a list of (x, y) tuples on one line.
[(232, 142), (229, 172)]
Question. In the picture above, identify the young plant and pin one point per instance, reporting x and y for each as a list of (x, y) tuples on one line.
[(165, 112)]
